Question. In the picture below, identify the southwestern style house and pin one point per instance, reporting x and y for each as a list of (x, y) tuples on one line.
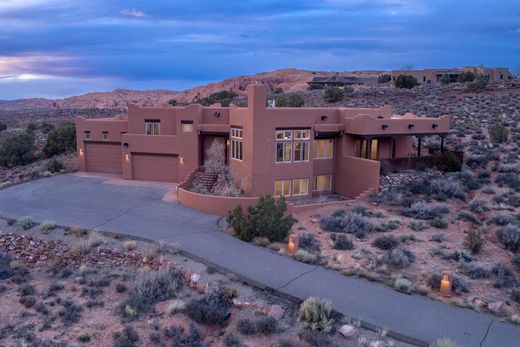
[(294, 152)]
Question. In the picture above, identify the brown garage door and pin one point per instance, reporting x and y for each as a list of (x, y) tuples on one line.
[(151, 167), (103, 157)]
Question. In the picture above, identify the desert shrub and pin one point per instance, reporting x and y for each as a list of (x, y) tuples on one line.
[(179, 339), (2, 127), (479, 206), (27, 289), (212, 309), (516, 261), (129, 245), (31, 128), (341, 242), (504, 276), (405, 81), (384, 78), (515, 296), (26, 222), (128, 337), (450, 162), (385, 242), (389, 225), (17, 150), (400, 257), (224, 97), (510, 179), (120, 288), (479, 83), (420, 210), (84, 338), (475, 271), (417, 226), (459, 256), (333, 94), (309, 243), (315, 338), (289, 100), (347, 222), (246, 327), (27, 301), (458, 285), (231, 340), (445, 79), (498, 133), (466, 76), (60, 140), (47, 226), (158, 285), (306, 257), (55, 166), (46, 127), (469, 179), (266, 219), (474, 241), (403, 285), (316, 314), (438, 238), (71, 313), (503, 219), (507, 168), (468, 216), (438, 223), (509, 236), (266, 325)]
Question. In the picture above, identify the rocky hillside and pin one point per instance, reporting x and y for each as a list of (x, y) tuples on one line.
[(287, 79)]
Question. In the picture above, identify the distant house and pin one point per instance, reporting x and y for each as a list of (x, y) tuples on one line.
[(321, 82), (496, 74)]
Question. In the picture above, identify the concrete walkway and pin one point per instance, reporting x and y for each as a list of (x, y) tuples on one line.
[(140, 212)]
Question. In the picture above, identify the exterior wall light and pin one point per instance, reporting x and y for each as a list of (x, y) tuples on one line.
[(216, 114), (411, 126), (434, 126), (227, 142), (384, 126), (125, 144), (323, 118), (292, 245), (81, 152), (446, 282), (181, 160), (127, 157)]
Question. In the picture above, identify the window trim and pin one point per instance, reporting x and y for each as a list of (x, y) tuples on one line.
[(284, 136), (87, 135), (236, 144), (104, 135), (316, 149), (315, 178), (306, 186), (283, 181), (152, 122)]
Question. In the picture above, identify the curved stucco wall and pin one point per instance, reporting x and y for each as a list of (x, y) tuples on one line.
[(213, 204)]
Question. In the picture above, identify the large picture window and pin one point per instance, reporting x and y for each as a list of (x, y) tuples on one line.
[(323, 149), (300, 186), (368, 149), (321, 183), (292, 145), (294, 187), (236, 143), (282, 187), (152, 127)]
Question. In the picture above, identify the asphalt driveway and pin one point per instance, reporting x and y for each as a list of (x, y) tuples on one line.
[(139, 211)]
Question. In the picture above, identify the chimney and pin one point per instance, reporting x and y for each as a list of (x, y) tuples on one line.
[(256, 96)]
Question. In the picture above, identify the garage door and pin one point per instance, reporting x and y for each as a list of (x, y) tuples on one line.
[(103, 157), (150, 167)]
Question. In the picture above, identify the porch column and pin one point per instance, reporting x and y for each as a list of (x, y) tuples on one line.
[(393, 147), (442, 144), (419, 142), (367, 148)]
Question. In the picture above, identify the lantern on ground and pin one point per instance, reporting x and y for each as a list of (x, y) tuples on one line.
[(446, 282), (292, 244)]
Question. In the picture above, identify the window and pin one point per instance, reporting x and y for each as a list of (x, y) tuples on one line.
[(321, 183), (323, 149), (104, 135), (282, 187), (152, 127), (187, 126), (292, 145), (236, 143), (300, 186), (366, 148), (87, 135)]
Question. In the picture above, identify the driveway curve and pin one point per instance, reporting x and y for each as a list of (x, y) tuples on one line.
[(139, 211)]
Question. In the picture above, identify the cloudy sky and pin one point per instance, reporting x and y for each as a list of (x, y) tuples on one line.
[(57, 48)]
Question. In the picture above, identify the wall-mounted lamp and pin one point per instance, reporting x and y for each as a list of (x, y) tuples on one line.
[(125, 144), (323, 118), (216, 114), (127, 157), (181, 160), (411, 126), (446, 281), (227, 142), (81, 151), (384, 126), (434, 126)]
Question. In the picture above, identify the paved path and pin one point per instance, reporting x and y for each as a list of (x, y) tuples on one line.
[(139, 211)]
